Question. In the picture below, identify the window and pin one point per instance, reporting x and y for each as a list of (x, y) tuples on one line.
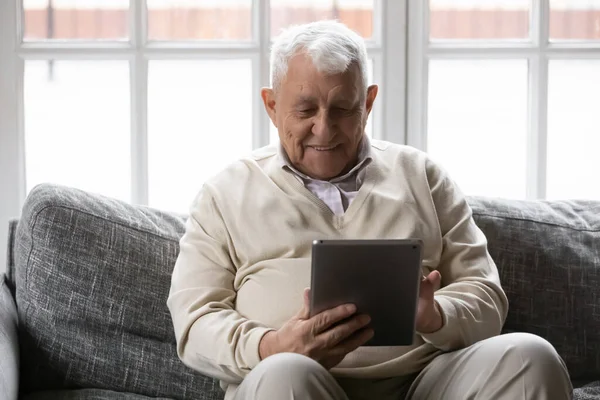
[(505, 94), (143, 100)]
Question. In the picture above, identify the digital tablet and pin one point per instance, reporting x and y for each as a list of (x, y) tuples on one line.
[(381, 277)]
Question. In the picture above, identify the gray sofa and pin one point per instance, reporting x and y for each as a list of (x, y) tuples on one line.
[(88, 279)]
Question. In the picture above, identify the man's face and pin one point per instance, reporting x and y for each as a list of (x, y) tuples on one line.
[(320, 118)]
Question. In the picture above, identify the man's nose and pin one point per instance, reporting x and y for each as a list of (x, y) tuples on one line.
[(322, 125)]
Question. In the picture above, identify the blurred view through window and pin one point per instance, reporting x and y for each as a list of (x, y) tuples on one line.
[(510, 19), (472, 102), (231, 19), (184, 19)]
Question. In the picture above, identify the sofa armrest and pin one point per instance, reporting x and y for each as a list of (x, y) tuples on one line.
[(9, 345)]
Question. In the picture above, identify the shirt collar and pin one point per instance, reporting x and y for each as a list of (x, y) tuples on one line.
[(364, 159)]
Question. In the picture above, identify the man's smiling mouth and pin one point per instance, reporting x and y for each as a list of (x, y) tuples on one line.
[(324, 148)]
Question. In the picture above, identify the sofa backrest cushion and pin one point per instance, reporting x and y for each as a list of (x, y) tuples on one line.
[(548, 255), (92, 280), (93, 275)]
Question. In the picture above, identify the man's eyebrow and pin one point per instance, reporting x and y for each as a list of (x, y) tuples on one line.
[(305, 99), (350, 100), (346, 100)]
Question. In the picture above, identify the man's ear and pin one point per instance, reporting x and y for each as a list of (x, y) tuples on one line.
[(371, 95), (268, 97)]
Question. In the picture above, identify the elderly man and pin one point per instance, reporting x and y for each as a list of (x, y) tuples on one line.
[(238, 297)]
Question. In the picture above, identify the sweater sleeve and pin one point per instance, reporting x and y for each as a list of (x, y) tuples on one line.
[(471, 299), (212, 337)]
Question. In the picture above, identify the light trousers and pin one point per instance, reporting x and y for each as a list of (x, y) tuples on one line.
[(512, 366)]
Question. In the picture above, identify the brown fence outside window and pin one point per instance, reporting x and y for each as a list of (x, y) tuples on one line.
[(234, 23)]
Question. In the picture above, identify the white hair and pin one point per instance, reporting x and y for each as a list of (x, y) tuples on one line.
[(332, 46)]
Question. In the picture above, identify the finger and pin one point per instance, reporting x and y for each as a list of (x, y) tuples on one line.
[(353, 342), (337, 334), (436, 279), (327, 318), (426, 288), (430, 284), (304, 312)]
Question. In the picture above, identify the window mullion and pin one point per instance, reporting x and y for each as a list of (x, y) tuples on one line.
[(139, 103), (394, 30), (12, 152), (261, 25), (543, 77), (540, 23), (378, 109), (535, 21), (538, 103), (378, 25), (418, 67)]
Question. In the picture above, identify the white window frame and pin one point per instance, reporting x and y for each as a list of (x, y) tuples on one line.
[(12, 172), (537, 50), (387, 48)]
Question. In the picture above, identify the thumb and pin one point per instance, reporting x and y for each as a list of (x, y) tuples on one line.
[(436, 280), (425, 290), (304, 313), (429, 284)]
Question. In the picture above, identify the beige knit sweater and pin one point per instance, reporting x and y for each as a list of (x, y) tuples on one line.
[(245, 260)]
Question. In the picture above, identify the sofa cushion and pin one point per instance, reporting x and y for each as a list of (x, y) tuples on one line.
[(587, 392), (92, 277), (87, 394), (591, 392), (9, 345), (548, 255)]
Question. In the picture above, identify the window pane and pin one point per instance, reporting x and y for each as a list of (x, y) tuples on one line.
[(77, 125), (476, 19), (274, 136), (75, 19), (199, 19), (200, 120), (575, 19), (356, 14), (478, 124), (573, 130)]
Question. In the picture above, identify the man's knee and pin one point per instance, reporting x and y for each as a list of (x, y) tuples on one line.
[(290, 376), (533, 349), (284, 365), (538, 360)]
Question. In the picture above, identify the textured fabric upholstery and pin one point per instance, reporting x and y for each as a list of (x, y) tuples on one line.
[(92, 279), (93, 275), (87, 394), (9, 345), (548, 254), (588, 392)]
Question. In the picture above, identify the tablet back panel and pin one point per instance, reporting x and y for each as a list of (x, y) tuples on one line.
[(380, 276)]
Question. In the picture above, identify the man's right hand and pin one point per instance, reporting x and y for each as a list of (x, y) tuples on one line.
[(324, 337)]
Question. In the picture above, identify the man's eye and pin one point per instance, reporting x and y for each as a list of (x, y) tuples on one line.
[(342, 110)]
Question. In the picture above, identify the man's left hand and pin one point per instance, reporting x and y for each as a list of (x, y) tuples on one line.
[(429, 317)]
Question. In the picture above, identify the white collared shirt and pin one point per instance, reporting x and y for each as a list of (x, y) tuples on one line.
[(338, 192)]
